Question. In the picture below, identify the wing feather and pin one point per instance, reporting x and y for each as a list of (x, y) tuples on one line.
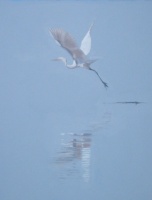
[(86, 42), (64, 39)]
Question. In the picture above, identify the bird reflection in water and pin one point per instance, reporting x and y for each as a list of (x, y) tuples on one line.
[(74, 156)]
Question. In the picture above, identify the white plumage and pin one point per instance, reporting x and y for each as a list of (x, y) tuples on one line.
[(79, 55)]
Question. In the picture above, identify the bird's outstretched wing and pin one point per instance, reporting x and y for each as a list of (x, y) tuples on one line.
[(64, 39), (86, 42), (67, 42)]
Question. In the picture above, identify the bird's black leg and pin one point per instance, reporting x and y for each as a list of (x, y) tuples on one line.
[(104, 83)]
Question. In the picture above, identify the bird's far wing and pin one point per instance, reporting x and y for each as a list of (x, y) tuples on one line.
[(86, 42), (64, 39)]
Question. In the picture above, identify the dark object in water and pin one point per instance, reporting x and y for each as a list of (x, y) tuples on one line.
[(130, 102)]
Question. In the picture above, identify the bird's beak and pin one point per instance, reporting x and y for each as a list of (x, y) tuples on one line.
[(55, 59)]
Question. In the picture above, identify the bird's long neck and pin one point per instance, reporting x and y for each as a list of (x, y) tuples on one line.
[(64, 61), (73, 65)]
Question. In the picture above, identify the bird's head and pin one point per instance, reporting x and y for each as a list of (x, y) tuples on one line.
[(62, 59)]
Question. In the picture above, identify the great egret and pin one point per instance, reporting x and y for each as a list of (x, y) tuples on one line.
[(79, 55)]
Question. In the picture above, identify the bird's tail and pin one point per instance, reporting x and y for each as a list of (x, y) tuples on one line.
[(91, 61)]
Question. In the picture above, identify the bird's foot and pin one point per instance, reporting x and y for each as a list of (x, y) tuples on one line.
[(105, 84)]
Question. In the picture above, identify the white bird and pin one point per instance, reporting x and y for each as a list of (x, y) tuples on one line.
[(79, 55)]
